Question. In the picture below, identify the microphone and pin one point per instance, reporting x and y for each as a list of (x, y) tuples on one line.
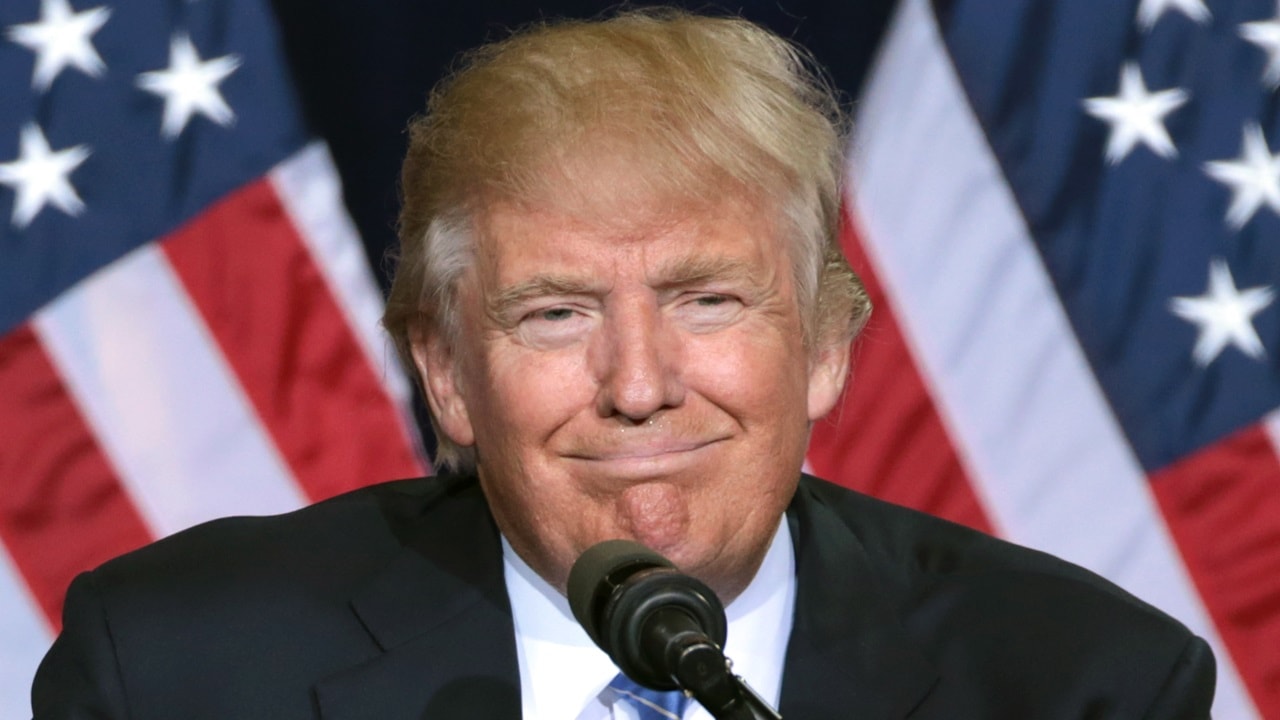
[(643, 612), (663, 628)]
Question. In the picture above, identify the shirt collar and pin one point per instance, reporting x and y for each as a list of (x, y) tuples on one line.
[(562, 671)]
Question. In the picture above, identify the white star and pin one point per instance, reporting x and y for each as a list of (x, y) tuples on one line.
[(1224, 315), (1136, 115), (39, 176), (1151, 10), (1266, 35), (189, 86), (1254, 178), (61, 38)]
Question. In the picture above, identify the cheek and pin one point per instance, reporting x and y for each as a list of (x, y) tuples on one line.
[(526, 394), (754, 374)]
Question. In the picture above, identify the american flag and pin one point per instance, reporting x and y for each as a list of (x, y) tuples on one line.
[(188, 324), (1067, 212), (1070, 216)]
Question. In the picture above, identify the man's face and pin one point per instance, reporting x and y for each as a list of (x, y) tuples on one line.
[(644, 379)]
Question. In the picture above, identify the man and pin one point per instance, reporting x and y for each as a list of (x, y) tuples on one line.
[(621, 289)]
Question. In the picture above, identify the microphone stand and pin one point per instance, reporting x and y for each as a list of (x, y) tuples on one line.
[(702, 670), (727, 696)]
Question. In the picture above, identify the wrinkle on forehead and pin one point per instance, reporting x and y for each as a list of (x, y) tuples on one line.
[(695, 269), (625, 217), (509, 232)]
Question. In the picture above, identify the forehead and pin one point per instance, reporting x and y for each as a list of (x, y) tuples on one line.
[(730, 235)]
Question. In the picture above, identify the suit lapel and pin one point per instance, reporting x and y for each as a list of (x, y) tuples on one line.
[(440, 614), (849, 655)]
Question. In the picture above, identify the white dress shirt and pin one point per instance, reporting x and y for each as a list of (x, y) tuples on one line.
[(562, 672)]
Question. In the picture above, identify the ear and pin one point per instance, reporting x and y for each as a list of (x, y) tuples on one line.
[(434, 358), (827, 376)]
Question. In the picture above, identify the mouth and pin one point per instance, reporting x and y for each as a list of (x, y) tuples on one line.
[(652, 457)]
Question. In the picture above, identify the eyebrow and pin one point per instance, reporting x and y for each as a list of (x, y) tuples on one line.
[(539, 286), (689, 270)]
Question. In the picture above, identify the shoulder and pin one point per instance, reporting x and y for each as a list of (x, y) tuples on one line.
[(997, 619), (312, 558), (354, 527), (910, 548), (204, 615)]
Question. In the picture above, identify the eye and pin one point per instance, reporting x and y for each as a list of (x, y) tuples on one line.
[(553, 314), (553, 327), (706, 312)]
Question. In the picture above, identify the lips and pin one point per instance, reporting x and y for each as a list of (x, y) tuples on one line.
[(633, 458), (638, 450)]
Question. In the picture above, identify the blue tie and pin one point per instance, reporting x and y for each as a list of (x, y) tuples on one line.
[(650, 704)]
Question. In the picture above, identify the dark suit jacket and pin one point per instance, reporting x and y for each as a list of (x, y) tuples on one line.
[(389, 603)]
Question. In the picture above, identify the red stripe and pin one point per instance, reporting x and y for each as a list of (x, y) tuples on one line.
[(270, 310), (1222, 505), (62, 509), (887, 438)]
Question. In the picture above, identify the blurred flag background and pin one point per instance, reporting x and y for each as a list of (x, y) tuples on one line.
[(188, 317), (1068, 214)]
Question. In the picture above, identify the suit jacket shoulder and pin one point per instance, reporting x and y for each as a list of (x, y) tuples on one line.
[(951, 622), (276, 617)]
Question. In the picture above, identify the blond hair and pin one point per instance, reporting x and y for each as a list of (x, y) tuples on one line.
[(699, 107)]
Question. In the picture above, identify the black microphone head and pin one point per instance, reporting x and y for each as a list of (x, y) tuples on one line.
[(599, 571), (618, 589)]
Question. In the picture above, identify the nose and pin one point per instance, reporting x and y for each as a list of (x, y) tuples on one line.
[(638, 363)]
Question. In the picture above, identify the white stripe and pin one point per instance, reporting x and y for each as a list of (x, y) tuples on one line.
[(1272, 424), (993, 342), (148, 377), (652, 707), (24, 638), (308, 186)]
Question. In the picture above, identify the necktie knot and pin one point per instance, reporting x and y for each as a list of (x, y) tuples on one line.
[(647, 704)]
